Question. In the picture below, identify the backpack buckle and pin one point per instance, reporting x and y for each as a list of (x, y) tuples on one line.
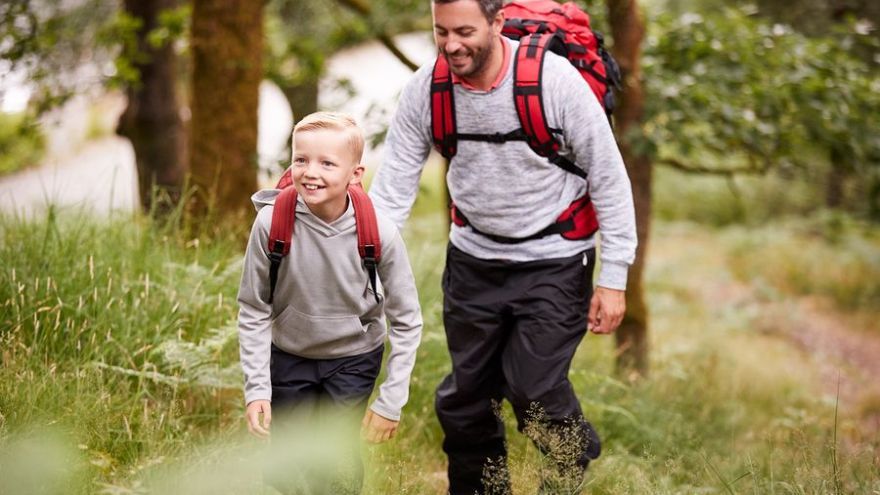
[(369, 255), (277, 250)]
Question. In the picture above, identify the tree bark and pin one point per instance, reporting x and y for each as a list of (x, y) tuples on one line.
[(303, 97), (227, 69), (837, 174), (628, 31), (151, 120)]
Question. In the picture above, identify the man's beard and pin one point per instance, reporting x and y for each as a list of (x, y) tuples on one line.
[(479, 59)]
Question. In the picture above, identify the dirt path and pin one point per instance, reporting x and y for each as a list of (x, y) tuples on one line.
[(843, 348), (846, 354), (98, 178)]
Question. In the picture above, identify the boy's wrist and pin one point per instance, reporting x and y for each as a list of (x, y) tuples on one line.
[(388, 414)]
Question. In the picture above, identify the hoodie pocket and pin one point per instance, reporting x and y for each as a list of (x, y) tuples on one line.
[(308, 331)]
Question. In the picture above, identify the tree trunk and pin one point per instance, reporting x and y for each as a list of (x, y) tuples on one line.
[(227, 69), (303, 100), (151, 120), (303, 97), (836, 176), (628, 30)]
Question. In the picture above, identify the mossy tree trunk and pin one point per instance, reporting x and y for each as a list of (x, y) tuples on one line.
[(227, 69), (628, 31), (151, 121)]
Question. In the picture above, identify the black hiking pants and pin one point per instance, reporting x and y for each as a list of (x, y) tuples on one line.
[(317, 405), (512, 329)]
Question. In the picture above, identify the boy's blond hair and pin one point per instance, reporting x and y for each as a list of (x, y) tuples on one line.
[(336, 121)]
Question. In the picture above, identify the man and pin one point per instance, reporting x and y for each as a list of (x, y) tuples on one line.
[(516, 302)]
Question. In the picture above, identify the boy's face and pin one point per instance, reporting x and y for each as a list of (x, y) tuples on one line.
[(323, 167), (464, 36)]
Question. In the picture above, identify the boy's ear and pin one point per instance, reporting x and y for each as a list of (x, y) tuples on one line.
[(358, 174)]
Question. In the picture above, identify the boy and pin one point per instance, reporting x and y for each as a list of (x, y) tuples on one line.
[(321, 338)]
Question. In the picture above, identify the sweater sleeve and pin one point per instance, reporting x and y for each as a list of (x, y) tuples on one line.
[(590, 138), (405, 325), (407, 146), (255, 312)]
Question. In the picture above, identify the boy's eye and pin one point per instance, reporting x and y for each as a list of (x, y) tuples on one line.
[(328, 164), (299, 160)]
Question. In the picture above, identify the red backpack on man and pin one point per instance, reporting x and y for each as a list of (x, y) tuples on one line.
[(284, 215), (539, 25)]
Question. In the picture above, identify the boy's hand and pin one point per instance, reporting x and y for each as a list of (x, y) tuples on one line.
[(377, 429), (254, 409)]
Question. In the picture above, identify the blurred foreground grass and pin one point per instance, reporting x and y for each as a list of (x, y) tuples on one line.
[(119, 367)]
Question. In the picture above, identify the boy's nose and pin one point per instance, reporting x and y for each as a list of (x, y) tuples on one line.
[(311, 169)]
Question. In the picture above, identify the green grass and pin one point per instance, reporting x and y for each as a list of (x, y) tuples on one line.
[(119, 375), (826, 254)]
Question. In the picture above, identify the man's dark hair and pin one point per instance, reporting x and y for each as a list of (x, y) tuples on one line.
[(489, 8)]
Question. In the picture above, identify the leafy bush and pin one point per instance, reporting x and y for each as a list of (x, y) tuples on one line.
[(730, 93), (21, 143)]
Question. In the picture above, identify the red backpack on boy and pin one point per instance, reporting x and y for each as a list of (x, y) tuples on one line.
[(539, 25), (284, 215)]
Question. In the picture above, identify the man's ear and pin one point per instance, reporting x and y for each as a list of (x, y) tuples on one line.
[(498, 22), (358, 174)]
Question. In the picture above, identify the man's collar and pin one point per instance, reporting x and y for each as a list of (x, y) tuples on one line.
[(505, 64)]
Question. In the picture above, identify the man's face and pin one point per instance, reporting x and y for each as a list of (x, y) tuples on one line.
[(464, 36), (323, 167)]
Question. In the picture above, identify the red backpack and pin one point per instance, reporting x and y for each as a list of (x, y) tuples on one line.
[(539, 25), (284, 215)]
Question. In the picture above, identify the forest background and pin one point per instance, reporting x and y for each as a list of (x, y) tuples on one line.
[(747, 361)]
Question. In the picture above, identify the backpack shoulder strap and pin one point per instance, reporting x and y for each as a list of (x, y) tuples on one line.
[(443, 109), (369, 243), (280, 233), (527, 98)]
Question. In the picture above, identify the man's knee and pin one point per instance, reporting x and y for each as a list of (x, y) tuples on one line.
[(536, 399)]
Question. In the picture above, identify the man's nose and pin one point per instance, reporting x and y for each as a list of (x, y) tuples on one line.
[(452, 45)]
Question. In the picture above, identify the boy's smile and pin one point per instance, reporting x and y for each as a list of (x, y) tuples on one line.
[(323, 167)]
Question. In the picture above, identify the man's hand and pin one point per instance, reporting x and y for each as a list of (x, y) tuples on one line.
[(606, 310), (254, 410), (377, 429)]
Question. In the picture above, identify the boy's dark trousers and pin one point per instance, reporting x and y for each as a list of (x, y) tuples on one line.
[(313, 397), (512, 329)]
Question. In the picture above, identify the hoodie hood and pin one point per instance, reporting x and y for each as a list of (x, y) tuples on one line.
[(264, 197)]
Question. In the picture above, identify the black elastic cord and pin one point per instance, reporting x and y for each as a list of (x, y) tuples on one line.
[(370, 264)]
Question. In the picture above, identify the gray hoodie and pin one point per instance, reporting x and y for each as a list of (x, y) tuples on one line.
[(323, 305)]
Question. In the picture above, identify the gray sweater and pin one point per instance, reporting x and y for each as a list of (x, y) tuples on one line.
[(324, 306), (507, 189)]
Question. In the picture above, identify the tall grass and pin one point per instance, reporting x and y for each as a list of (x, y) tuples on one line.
[(825, 254), (118, 339), (86, 305)]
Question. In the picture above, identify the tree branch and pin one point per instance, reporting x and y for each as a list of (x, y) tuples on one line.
[(363, 8), (752, 169)]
